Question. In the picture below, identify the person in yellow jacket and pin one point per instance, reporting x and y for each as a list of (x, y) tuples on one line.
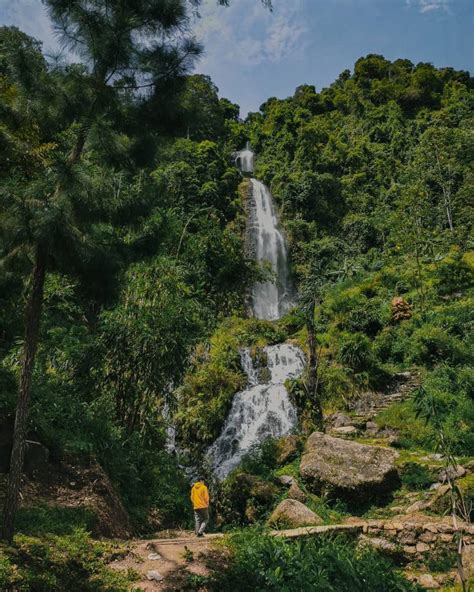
[(200, 500)]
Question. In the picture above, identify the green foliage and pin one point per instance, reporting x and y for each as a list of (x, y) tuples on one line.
[(44, 519), (454, 273), (415, 476), (355, 351), (215, 375), (55, 563), (260, 562)]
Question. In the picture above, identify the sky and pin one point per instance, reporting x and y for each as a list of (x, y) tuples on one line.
[(253, 54)]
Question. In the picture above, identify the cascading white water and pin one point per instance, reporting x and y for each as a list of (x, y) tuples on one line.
[(260, 411), (264, 408), (244, 159), (272, 298)]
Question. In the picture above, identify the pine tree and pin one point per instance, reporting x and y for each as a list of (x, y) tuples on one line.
[(127, 48)]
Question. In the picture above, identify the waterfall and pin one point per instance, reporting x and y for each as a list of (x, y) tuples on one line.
[(264, 408), (260, 411), (272, 298), (244, 159)]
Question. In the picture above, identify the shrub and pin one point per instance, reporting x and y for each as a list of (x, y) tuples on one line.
[(453, 273), (415, 477), (431, 345), (355, 351), (324, 564)]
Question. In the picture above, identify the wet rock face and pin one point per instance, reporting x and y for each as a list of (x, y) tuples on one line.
[(349, 469), (292, 514)]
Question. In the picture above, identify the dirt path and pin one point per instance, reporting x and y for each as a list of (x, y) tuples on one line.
[(169, 556), (166, 556)]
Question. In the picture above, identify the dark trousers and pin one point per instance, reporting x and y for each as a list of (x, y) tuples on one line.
[(201, 520)]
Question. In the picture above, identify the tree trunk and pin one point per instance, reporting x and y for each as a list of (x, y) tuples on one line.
[(312, 385), (33, 315)]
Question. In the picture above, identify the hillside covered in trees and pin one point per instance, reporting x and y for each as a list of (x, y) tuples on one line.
[(125, 282)]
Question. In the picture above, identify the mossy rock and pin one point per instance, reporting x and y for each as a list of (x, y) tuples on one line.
[(288, 449)]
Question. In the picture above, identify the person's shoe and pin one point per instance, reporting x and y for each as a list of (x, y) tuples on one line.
[(200, 534)]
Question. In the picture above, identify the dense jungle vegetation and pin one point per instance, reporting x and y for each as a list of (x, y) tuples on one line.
[(117, 182)]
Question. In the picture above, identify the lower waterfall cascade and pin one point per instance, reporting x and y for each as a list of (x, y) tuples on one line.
[(260, 411)]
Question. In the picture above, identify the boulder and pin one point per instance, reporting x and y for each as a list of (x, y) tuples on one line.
[(348, 469), (295, 492), (291, 513), (287, 449)]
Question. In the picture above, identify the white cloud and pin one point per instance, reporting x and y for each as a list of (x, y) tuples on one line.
[(430, 5), (249, 35)]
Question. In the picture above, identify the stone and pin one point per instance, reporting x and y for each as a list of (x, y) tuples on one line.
[(445, 538), (427, 537), (431, 528), (286, 480), (287, 449), (407, 538), (452, 473), (292, 514), (440, 503), (371, 426), (154, 557), (345, 431), (295, 492), (379, 544), (348, 468), (342, 420), (427, 581), (409, 549), (155, 576), (418, 506), (422, 547), (263, 491), (468, 560)]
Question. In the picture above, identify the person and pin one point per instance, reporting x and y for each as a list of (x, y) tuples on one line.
[(200, 501)]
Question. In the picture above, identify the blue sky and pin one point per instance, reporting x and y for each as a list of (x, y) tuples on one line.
[(252, 54)]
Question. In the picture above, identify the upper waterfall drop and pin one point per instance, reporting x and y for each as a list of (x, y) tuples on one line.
[(270, 299), (244, 159)]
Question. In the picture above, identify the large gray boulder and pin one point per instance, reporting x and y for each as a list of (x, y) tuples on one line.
[(291, 513), (348, 469)]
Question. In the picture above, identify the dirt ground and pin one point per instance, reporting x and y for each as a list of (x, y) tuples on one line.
[(175, 555)]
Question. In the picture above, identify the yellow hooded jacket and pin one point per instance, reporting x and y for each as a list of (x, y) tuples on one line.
[(200, 496)]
